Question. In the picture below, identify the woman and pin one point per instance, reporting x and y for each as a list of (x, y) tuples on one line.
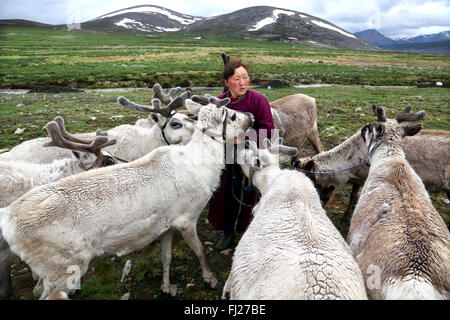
[(230, 206)]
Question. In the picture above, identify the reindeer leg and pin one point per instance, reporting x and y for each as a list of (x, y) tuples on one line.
[(315, 139), (166, 247), (352, 202), (6, 260), (189, 233)]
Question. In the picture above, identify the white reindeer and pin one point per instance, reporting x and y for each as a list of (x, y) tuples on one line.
[(291, 249), (133, 141), (18, 177), (122, 208)]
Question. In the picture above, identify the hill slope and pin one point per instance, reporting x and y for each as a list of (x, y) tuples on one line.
[(147, 18), (279, 24), (431, 43), (260, 22)]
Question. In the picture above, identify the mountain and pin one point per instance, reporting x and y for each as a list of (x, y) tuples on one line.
[(374, 37), (431, 43), (441, 36), (272, 23), (147, 18), (260, 22), (442, 47), (23, 23)]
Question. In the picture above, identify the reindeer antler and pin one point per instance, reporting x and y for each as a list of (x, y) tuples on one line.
[(379, 112), (174, 104), (406, 115), (219, 102), (203, 100), (57, 140), (207, 99), (165, 98), (60, 121)]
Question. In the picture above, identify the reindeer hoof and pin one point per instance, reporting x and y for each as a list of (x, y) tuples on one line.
[(218, 285), (172, 290), (213, 283)]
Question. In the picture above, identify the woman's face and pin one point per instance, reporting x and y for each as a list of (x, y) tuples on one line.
[(238, 82)]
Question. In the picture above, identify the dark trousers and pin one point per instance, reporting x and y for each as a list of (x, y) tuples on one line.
[(231, 205)]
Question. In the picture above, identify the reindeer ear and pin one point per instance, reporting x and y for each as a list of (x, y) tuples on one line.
[(411, 129), (285, 153), (363, 131), (309, 166), (255, 163), (192, 106), (154, 117), (308, 170), (378, 130)]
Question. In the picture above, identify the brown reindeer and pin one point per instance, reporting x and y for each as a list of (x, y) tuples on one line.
[(428, 152), (399, 240)]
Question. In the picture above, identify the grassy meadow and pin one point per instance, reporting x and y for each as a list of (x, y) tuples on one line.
[(30, 57), (39, 56)]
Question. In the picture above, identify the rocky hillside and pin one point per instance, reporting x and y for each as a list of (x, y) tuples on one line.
[(376, 38), (261, 22), (279, 24), (145, 18), (430, 43)]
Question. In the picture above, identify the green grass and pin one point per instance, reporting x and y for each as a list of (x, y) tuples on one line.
[(39, 56)]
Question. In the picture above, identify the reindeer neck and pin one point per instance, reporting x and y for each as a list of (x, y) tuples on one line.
[(62, 168), (207, 147), (385, 152), (262, 178), (344, 155)]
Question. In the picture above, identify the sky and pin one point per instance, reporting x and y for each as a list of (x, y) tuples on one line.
[(393, 18)]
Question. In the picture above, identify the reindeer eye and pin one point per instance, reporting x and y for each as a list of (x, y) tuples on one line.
[(175, 124), (108, 161), (233, 117)]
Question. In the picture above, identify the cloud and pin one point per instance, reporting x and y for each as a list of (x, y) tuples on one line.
[(393, 17)]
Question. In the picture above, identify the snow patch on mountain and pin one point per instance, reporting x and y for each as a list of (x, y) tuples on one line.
[(269, 20), (326, 25), (133, 24), (150, 10)]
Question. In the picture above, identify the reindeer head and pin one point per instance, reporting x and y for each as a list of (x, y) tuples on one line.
[(216, 120), (87, 151), (390, 130), (176, 127), (272, 154)]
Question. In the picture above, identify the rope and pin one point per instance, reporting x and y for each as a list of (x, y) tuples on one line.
[(331, 172)]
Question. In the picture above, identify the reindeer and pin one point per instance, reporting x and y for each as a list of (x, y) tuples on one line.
[(18, 177), (399, 240), (123, 208), (428, 152), (291, 250), (134, 141)]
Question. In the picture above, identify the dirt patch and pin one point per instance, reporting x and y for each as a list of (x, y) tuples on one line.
[(52, 89), (275, 84)]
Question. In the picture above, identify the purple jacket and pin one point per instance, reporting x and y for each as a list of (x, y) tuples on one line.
[(256, 104)]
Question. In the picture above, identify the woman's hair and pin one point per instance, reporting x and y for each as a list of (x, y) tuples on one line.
[(229, 68)]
